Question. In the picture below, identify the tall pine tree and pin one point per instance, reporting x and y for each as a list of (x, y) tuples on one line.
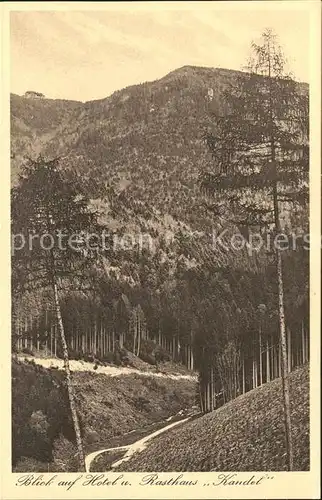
[(52, 246), (261, 160)]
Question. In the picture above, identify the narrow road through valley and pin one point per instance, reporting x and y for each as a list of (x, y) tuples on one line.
[(111, 371), (130, 449)]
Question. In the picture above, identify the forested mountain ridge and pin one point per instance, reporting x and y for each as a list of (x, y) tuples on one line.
[(148, 137), (146, 142)]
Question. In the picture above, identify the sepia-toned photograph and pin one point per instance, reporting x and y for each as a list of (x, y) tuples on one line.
[(160, 240)]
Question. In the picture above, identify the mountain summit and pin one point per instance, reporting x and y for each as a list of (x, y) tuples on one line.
[(147, 138)]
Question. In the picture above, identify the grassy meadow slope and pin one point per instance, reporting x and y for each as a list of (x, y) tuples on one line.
[(246, 434)]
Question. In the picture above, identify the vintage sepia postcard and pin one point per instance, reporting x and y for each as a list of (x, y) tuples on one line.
[(160, 250)]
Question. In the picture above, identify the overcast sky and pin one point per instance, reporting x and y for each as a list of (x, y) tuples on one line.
[(86, 55)]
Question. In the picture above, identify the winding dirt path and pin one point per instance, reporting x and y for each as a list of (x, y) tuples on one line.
[(130, 449)]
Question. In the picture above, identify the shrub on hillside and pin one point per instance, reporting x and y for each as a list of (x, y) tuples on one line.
[(124, 358), (27, 351), (142, 404), (148, 358), (30, 464), (64, 455), (108, 358), (74, 354), (152, 353), (162, 355), (40, 412), (39, 423)]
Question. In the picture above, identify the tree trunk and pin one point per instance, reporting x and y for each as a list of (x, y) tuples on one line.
[(208, 394), (256, 373), (268, 369), (51, 339), (213, 389), (37, 327), (134, 330), (138, 333), (26, 333), (95, 335), (83, 343), (74, 337), (70, 387), (260, 357), (77, 340), (289, 351), (284, 367), (31, 331), (202, 408), (307, 347), (55, 343), (101, 349), (243, 374), (20, 333), (46, 332), (17, 331), (280, 286), (107, 336), (274, 368)]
